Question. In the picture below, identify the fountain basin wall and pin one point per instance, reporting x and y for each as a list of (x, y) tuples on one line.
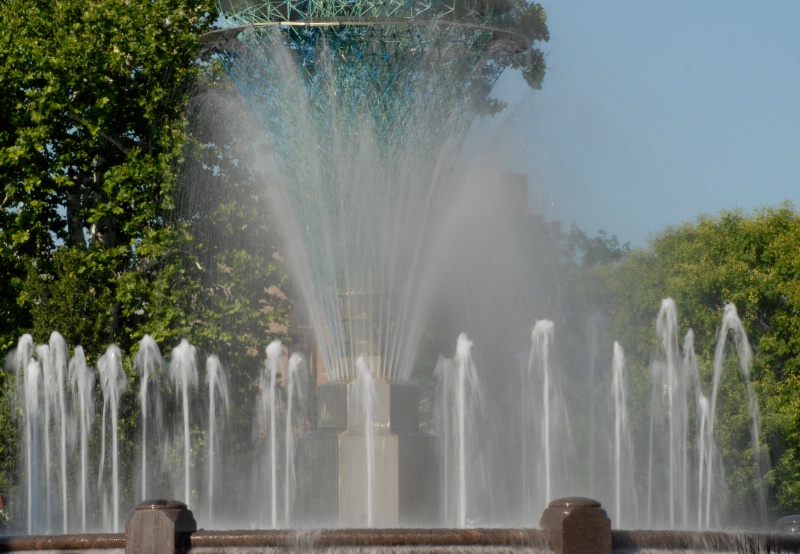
[(411, 540), (158, 527)]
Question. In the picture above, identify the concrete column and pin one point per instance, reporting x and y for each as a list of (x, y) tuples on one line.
[(578, 526), (159, 527)]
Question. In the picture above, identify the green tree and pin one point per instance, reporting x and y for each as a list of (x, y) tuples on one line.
[(242, 301), (752, 261), (93, 95), (599, 250), (96, 236)]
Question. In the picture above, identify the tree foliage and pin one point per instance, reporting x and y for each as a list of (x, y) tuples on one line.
[(598, 250), (96, 240), (752, 261), (93, 93)]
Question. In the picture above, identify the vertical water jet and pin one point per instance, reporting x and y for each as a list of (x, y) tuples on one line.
[(296, 405), (183, 371), (365, 396), (624, 475), (32, 383), (58, 361), (217, 383), (112, 382), (48, 399), (539, 368), (149, 364), (274, 356), (732, 327), (82, 380)]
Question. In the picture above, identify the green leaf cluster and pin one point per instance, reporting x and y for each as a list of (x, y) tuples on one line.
[(100, 155), (753, 261)]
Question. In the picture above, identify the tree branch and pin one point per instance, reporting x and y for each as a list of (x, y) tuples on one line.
[(121, 147)]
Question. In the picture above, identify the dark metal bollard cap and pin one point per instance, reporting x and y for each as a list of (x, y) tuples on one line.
[(161, 504), (788, 524), (574, 502)]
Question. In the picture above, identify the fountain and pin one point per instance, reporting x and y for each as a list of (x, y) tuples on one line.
[(383, 95), (368, 432), (366, 106)]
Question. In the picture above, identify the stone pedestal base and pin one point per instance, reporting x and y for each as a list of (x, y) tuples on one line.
[(332, 462)]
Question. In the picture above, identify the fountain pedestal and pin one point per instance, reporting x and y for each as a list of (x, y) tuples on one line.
[(332, 461)]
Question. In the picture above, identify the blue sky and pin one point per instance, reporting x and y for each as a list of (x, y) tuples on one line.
[(654, 112)]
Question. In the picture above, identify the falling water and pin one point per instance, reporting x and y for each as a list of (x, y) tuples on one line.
[(217, 389), (706, 455), (623, 444), (58, 363), (655, 376), (669, 406), (274, 357), (594, 324), (539, 362), (32, 382), (366, 401), (183, 371), (706, 447), (149, 362), (457, 405), (458, 411), (296, 387), (112, 383), (466, 383), (19, 358), (81, 379), (445, 373), (733, 325), (677, 412), (48, 397)]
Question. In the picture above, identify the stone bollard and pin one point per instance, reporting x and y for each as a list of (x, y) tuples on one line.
[(578, 525), (159, 527), (788, 524)]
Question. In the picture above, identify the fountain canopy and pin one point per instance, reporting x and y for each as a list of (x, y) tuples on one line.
[(365, 106)]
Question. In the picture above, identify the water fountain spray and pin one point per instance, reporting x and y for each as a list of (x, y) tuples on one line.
[(112, 382), (732, 326), (270, 401), (296, 412), (81, 381), (539, 370), (150, 365), (217, 382), (183, 371), (365, 396)]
